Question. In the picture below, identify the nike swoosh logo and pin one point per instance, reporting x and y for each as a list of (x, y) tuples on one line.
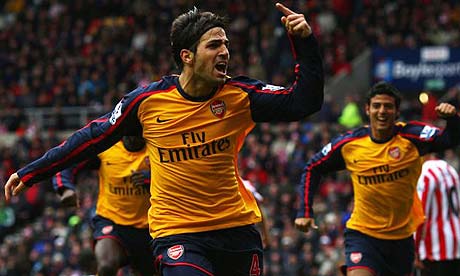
[(162, 121)]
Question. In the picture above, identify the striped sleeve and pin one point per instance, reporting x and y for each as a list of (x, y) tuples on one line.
[(430, 138), (304, 97), (329, 159), (95, 137), (67, 177)]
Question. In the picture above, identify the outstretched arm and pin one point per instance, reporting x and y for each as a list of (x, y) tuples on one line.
[(271, 102), (430, 138), (451, 133), (85, 143), (329, 159)]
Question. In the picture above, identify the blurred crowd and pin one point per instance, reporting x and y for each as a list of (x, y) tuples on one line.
[(91, 52)]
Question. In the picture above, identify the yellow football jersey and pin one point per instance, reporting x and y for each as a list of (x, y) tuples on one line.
[(119, 199), (193, 142), (384, 183), (384, 176)]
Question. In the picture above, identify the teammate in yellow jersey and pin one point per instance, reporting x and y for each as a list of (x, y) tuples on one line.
[(265, 231), (384, 160), (120, 227), (201, 217)]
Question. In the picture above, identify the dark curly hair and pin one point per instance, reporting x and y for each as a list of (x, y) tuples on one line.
[(187, 29), (386, 89)]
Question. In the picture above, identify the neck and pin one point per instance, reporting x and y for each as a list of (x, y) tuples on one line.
[(382, 135), (195, 87)]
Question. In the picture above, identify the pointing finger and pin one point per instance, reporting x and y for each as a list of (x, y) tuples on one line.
[(282, 8)]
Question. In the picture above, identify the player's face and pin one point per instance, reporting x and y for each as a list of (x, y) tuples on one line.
[(382, 112), (212, 55)]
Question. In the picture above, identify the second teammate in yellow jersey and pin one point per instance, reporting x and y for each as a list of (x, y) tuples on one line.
[(384, 160), (120, 225)]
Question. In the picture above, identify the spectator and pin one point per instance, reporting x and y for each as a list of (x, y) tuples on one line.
[(351, 115), (437, 239), (69, 21)]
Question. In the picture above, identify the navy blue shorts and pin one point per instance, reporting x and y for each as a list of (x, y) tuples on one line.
[(135, 241), (382, 257), (234, 251)]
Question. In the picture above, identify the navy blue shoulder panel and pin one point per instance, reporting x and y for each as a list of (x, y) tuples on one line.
[(97, 136), (429, 138)]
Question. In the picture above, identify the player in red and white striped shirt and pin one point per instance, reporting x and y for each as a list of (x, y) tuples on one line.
[(438, 239)]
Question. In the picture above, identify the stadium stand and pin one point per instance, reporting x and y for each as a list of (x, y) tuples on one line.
[(66, 62)]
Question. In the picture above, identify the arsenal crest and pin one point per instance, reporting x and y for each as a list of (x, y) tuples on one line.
[(356, 257), (394, 152), (218, 108), (107, 229), (175, 252)]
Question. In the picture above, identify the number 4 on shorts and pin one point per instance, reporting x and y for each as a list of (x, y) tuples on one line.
[(255, 268)]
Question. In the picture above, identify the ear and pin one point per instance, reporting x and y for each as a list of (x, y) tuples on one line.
[(186, 56), (367, 109)]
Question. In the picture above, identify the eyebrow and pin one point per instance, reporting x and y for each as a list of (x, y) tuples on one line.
[(225, 41), (383, 103)]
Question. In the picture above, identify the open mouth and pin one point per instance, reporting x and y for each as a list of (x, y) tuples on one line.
[(382, 121), (221, 67)]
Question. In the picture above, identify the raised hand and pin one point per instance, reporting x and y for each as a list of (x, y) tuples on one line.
[(295, 23), (445, 110)]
